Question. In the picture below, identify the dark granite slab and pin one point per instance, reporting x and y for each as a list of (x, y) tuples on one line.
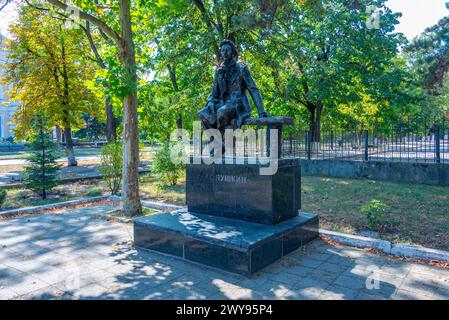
[(235, 246), (239, 191)]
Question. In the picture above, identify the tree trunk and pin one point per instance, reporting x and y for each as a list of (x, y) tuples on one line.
[(179, 122), (71, 161), (111, 125), (130, 183), (58, 134), (315, 121), (172, 72)]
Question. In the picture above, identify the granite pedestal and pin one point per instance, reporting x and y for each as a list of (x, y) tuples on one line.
[(236, 219), (241, 192), (232, 245)]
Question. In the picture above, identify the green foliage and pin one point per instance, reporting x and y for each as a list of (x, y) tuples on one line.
[(310, 59), (111, 165), (49, 70), (42, 173), (3, 195), (165, 170), (374, 211)]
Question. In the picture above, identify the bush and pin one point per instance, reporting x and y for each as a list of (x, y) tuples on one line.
[(3, 195), (111, 165), (375, 212), (165, 170)]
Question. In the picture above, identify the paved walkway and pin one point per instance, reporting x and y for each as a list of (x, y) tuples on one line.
[(9, 162), (75, 256)]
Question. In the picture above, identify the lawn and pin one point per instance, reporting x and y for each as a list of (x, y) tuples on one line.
[(19, 198), (416, 214)]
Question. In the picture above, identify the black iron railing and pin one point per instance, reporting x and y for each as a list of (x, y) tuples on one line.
[(405, 143)]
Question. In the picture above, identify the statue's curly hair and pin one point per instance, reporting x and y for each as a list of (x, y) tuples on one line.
[(232, 45)]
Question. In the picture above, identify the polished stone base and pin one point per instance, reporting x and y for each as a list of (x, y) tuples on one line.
[(232, 245), (239, 191)]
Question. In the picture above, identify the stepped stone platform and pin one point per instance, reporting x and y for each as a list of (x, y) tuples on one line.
[(236, 246)]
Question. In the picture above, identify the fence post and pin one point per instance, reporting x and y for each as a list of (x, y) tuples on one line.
[(291, 143), (332, 140), (309, 145), (366, 138), (437, 144)]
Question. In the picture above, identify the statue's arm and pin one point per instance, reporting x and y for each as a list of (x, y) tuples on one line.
[(254, 92)]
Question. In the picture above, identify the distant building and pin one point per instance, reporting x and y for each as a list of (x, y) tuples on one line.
[(7, 108)]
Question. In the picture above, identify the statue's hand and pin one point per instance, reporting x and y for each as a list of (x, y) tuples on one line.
[(263, 115)]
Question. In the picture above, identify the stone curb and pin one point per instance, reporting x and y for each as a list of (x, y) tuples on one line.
[(357, 241), (161, 205), (402, 250), (153, 204), (38, 209), (105, 216), (409, 251)]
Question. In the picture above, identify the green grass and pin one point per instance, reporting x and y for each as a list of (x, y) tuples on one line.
[(20, 198), (148, 211), (150, 189), (416, 214)]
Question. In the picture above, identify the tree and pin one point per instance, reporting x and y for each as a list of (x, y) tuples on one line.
[(430, 53), (331, 57), (49, 72), (41, 175), (124, 43), (307, 56), (428, 56)]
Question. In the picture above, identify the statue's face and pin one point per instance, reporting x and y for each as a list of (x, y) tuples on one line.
[(226, 52)]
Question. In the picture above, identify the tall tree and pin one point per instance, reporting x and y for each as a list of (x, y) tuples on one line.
[(48, 74), (431, 53), (331, 56), (119, 30)]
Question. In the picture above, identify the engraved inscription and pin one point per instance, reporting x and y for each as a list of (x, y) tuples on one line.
[(229, 178)]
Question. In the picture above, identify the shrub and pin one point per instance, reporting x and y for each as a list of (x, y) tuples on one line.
[(375, 212), (3, 195), (111, 163), (165, 170), (141, 151), (41, 175)]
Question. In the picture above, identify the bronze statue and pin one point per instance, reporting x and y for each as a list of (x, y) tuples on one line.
[(228, 105)]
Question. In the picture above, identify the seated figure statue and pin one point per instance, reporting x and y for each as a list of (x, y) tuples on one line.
[(228, 105)]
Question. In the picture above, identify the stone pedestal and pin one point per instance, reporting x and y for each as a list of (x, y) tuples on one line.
[(240, 192), (236, 220)]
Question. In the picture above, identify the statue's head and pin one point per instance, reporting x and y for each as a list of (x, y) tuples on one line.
[(228, 51)]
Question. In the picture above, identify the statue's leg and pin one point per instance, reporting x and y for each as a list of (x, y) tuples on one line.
[(207, 124), (225, 117)]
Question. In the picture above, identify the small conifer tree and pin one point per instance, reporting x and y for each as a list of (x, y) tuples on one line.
[(41, 175)]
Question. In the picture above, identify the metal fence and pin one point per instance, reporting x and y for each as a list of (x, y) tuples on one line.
[(403, 143)]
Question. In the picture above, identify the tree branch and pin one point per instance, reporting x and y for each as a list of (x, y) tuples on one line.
[(92, 45), (95, 21)]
